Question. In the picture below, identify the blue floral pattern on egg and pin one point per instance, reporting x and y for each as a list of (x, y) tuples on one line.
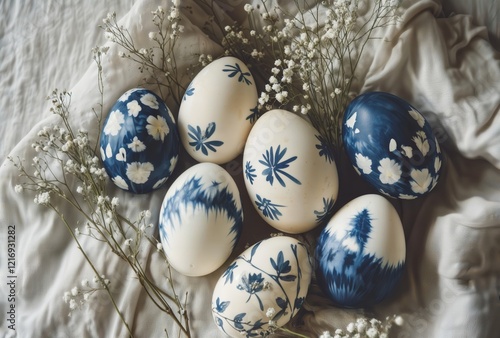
[(201, 219), (292, 181), (218, 110), (361, 253), (391, 145), (139, 142), (267, 282)]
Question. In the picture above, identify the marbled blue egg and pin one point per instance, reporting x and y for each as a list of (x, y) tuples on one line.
[(139, 142), (391, 145), (200, 219), (361, 252)]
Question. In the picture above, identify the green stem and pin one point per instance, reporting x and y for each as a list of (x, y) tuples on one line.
[(89, 261), (292, 332)]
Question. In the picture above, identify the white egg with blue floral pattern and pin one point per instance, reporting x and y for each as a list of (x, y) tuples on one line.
[(290, 172), (200, 219), (139, 142), (361, 252), (217, 111), (267, 282), (391, 145)]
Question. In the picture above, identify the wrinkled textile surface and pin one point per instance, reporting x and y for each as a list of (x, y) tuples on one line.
[(445, 65)]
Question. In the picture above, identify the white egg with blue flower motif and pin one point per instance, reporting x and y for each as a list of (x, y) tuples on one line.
[(267, 282), (200, 219), (217, 111), (290, 172)]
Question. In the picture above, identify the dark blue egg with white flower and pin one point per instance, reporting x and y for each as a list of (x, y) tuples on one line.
[(139, 142), (361, 252), (391, 145)]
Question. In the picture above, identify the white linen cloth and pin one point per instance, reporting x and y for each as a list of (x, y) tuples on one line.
[(444, 66)]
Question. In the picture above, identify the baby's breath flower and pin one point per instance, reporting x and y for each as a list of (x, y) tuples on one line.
[(18, 188), (270, 312), (74, 291), (114, 201), (248, 8), (159, 247), (399, 321), (42, 198), (72, 304), (325, 334)]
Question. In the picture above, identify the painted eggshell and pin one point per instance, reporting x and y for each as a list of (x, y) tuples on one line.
[(290, 173), (361, 252), (139, 142), (200, 219), (391, 145), (217, 111), (268, 281)]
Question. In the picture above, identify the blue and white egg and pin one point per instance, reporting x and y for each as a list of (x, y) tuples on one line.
[(391, 145), (139, 142), (200, 219), (361, 252), (290, 172), (218, 110), (267, 282)]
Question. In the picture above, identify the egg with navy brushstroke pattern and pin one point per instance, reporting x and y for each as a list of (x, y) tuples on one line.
[(290, 172), (361, 252), (217, 111), (139, 142), (200, 219), (274, 273), (391, 145)]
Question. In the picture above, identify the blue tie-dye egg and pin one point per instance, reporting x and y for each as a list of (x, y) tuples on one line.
[(200, 219), (361, 252), (391, 145), (139, 142)]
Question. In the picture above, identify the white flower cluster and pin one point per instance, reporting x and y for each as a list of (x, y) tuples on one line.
[(79, 295), (364, 328), (308, 60)]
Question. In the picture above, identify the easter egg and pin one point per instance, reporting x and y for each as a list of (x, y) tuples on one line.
[(139, 142), (361, 252), (200, 219), (267, 282), (217, 111), (391, 145), (290, 173)]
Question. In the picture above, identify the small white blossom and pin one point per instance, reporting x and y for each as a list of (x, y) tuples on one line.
[(74, 291), (248, 8), (42, 198), (18, 188), (114, 201), (270, 312), (72, 304), (159, 247), (152, 35)]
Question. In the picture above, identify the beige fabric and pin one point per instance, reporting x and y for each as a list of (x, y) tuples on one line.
[(443, 66)]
